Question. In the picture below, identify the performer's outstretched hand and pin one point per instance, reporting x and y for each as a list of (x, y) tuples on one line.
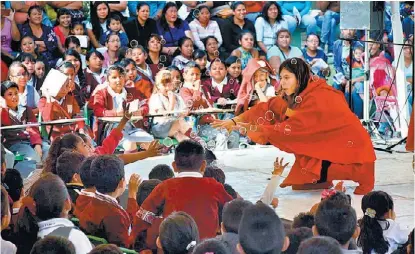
[(229, 125), (279, 166)]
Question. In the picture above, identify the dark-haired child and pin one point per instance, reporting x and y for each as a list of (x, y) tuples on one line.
[(200, 58), (303, 220), (53, 245), (234, 68), (25, 141), (186, 52), (161, 172), (77, 28), (261, 231), (106, 249), (296, 236), (200, 197), (114, 24), (6, 246), (231, 218), (102, 215), (67, 168), (379, 231), (211, 246), (141, 84), (215, 173), (94, 73), (320, 245), (14, 182), (338, 221), (145, 77), (179, 234), (40, 73)]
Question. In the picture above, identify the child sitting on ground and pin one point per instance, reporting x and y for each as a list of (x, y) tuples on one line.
[(102, 216), (379, 231), (268, 238), (231, 218), (338, 221), (161, 172), (199, 197)]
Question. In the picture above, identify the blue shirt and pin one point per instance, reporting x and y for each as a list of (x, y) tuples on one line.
[(320, 54), (155, 6), (267, 33), (174, 35)]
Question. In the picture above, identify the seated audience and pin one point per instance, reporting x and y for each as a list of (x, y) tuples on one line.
[(246, 51), (283, 50), (94, 73), (297, 236), (185, 46), (320, 245), (211, 246), (143, 26), (53, 245), (303, 220), (234, 68), (161, 172), (6, 246), (97, 26), (315, 56), (145, 80), (202, 27), (114, 26)]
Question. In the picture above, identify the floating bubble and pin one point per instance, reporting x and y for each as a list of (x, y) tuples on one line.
[(350, 143), (231, 81), (216, 53), (196, 13), (129, 97), (304, 171), (134, 43), (269, 115), (201, 107), (232, 139), (293, 61), (168, 142), (163, 58), (260, 121), (243, 145), (207, 73), (145, 123), (218, 60), (211, 144), (204, 133), (242, 130), (129, 51), (238, 61), (163, 41), (315, 78), (233, 107), (298, 99), (189, 103), (287, 129), (160, 66), (193, 135), (277, 127), (315, 181), (232, 91), (253, 127)]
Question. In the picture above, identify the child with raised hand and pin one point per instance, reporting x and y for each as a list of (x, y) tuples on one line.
[(6, 246), (186, 53), (179, 234), (337, 220), (229, 227), (114, 24), (246, 51), (199, 197), (102, 216), (379, 232), (270, 237)]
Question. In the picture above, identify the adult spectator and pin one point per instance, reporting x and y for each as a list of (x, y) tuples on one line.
[(142, 26), (283, 50), (74, 7), (341, 50), (62, 26), (234, 25), (97, 27), (156, 60), (268, 24), (9, 32), (186, 10), (171, 28), (328, 19), (113, 44), (155, 8), (44, 37), (303, 7), (22, 7), (202, 27), (314, 55)]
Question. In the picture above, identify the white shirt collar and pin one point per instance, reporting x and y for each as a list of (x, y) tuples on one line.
[(220, 85), (107, 196), (189, 174), (114, 94), (188, 85), (55, 222)]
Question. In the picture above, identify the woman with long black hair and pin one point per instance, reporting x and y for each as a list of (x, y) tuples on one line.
[(100, 12)]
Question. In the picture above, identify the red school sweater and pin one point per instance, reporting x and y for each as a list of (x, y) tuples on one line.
[(199, 197)]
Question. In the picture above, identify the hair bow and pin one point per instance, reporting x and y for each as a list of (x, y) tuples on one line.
[(191, 245), (370, 212)]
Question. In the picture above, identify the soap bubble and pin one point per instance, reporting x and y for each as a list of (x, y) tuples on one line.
[(287, 129), (269, 115), (134, 43)]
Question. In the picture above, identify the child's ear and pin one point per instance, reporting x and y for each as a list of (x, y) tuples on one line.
[(315, 231), (175, 169), (356, 232), (240, 249), (222, 228), (203, 167), (5, 221), (286, 243), (68, 204), (76, 178), (158, 243)]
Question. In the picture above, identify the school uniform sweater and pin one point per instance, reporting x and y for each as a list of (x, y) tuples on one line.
[(227, 89)]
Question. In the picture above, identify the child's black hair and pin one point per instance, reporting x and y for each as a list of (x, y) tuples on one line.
[(115, 67), (320, 245), (68, 164), (72, 39), (96, 52), (243, 33), (232, 214), (25, 56), (336, 220), (115, 17), (65, 65), (85, 172), (183, 40), (231, 60), (297, 236), (161, 172), (210, 156), (190, 65), (106, 249), (211, 246), (5, 205), (300, 69), (316, 35), (145, 188), (58, 146), (108, 170), (303, 220), (261, 230), (340, 198), (127, 61), (374, 204), (53, 245), (14, 181), (216, 173), (189, 156), (76, 23), (80, 73), (178, 233), (198, 54), (236, 4), (230, 190)]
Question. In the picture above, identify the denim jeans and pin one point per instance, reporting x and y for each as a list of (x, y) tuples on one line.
[(328, 24), (357, 103), (307, 22)]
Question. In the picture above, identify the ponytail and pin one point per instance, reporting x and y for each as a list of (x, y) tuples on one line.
[(26, 229)]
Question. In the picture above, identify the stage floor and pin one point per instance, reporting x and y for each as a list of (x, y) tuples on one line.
[(247, 171)]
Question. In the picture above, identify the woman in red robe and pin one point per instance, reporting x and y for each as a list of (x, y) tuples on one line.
[(312, 120)]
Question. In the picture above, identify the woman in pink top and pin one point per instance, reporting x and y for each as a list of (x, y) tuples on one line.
[(9, 31)]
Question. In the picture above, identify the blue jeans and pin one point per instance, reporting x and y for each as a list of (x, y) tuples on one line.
[(307, 22), (356, 101), (328, 24)]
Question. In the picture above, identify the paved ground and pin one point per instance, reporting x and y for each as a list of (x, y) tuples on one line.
[(247, 171)]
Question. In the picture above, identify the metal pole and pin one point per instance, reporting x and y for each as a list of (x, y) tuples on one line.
[(366, 91), (350, 75)]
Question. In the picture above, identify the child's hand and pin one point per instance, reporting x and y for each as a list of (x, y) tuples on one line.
[(134, 183), (279, 167), (154, 149), (274, 202)]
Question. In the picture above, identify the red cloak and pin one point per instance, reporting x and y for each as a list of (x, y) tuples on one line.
[(410, 138), (321, 127)]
